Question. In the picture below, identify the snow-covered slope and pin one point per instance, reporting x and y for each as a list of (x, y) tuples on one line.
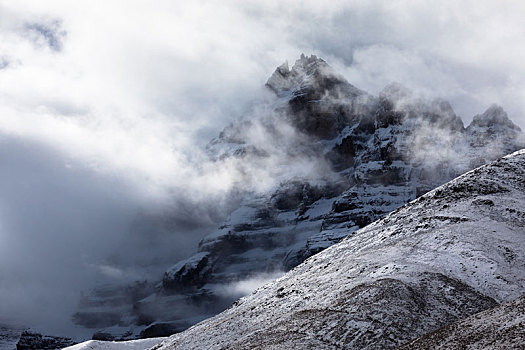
[(125, 345), (330, 159), (500, 328), (451, 253)]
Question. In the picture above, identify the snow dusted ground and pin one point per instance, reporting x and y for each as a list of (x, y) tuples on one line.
[(502, 327), (126, 345), (456, 251)]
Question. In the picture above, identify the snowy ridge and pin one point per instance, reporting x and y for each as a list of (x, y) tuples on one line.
[(451, 253)]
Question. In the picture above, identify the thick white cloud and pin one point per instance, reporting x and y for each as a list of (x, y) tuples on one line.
[(135, 83), (119, 97)]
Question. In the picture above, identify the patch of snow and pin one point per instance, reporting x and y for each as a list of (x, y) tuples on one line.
[(140, 344)]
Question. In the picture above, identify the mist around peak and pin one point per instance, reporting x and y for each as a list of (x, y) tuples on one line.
[(106, 112)]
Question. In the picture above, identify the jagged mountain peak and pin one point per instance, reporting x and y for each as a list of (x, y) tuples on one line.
[(319, 99), (494, 117), (436, 111), (395, 92), (310, 64), (308, 74), (285, 78), (493, 127), (442, 113)]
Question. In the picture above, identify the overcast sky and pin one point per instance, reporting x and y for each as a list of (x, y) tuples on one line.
[(105, 108)]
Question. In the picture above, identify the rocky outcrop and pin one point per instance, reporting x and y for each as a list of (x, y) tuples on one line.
[(320, 101), (188, 274), (31, 341), (494, 128)]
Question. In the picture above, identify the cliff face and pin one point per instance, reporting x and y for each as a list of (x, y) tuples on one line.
[(453, 252), (347, 159)]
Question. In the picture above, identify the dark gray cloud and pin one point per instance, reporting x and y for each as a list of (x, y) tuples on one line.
[(57, 221), (65, 228)]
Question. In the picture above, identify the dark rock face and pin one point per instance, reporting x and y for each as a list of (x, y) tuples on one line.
[(313, 87), (376, 154), (191, 274), (31, 341), (163, 329), (103, 336)]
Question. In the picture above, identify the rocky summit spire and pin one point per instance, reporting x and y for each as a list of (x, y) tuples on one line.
[(493, 127), (284, 80), (308, 73), (494, 117), (313, 89)]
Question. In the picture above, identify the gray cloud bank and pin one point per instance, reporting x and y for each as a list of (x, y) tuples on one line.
[(105, 111)]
